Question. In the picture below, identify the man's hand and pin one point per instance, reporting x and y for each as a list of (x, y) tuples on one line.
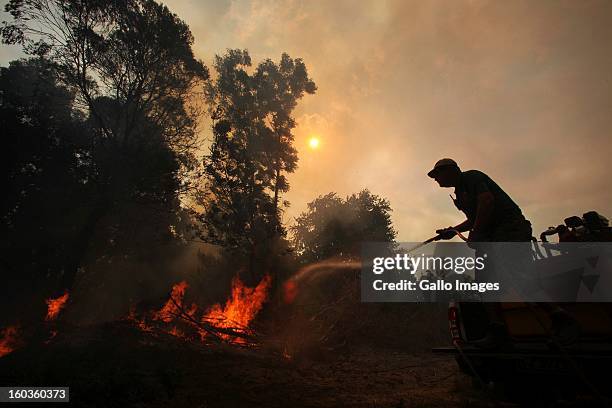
[(446, 233)]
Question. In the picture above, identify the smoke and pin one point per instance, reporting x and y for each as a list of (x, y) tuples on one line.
[(107, 289), (519, 89), (323, 317)]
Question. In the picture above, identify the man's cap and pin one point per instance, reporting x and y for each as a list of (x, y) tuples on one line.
[(442, 163)]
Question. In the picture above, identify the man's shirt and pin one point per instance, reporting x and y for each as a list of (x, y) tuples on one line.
[(474, 182)]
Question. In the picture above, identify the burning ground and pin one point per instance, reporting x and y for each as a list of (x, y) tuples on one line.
[(309, 344)]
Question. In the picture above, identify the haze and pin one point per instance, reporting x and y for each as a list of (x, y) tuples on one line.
[(521, 90)]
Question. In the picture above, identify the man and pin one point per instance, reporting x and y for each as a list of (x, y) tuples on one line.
[(492, 216)]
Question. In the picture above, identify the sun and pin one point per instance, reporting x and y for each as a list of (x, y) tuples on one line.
[(314, 142)]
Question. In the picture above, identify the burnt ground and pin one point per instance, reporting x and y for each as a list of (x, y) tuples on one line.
[(115, 365)]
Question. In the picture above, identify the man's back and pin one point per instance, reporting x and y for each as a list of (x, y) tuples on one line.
[(474, 182)]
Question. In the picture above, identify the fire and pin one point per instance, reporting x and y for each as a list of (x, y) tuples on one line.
[(8, 340), (140, 323), (55, 306), (9, 337), (172, 307), (286, 353), (236, 315), (290, 291), (52, 335), (242, 307)]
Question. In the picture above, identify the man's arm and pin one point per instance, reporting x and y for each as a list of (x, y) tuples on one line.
[(450, 232), (464, 226)]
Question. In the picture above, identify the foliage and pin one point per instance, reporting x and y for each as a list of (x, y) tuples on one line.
[(45, 171), (252, 147), (135, 53), (333, 226), (130, 74)]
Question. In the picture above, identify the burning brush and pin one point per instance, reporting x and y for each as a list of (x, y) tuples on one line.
[(55, 306), (227, 323), (9, 340), (11, 336)]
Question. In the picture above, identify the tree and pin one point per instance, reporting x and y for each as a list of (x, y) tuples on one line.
[(333, 226), (45, 163), (135, 52), (130, 65), (279, 87), (252, 149)]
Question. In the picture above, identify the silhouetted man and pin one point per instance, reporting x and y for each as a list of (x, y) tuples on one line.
[(492, 216)]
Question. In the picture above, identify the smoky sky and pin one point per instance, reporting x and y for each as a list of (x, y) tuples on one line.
[(521, 90)]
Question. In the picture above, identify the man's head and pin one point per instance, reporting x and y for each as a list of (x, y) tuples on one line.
[(446, 172)]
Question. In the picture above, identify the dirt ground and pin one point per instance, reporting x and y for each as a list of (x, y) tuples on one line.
[(114, 365), (363, 378)]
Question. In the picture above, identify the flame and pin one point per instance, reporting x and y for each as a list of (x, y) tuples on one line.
[(55, 306), (286, 354), (167, 314), (140, 323), (241, 308), (174, 307), (176, 332), (237, 313), (171, 309), (8, 340), (52, 335), (290, 291)]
